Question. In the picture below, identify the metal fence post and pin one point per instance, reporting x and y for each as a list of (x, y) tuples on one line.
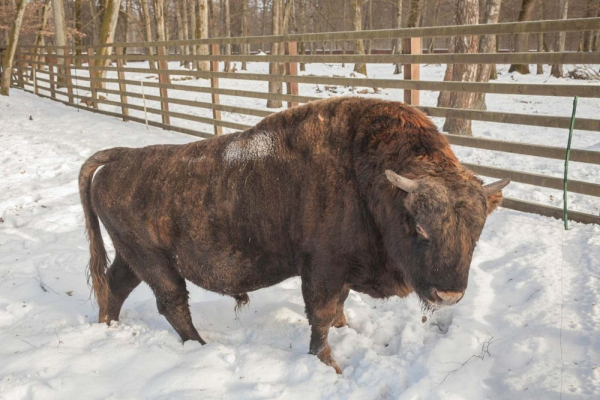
[(163, 78), (412, 71), (291, 69), (214, 83), (122, 84)]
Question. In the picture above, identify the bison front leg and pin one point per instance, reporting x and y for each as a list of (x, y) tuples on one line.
[(321, 308)]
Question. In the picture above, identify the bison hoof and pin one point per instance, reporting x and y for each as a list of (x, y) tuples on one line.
[(340, 322), (327, 359)]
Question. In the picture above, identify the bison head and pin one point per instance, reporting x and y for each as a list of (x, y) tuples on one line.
[(443, 221)]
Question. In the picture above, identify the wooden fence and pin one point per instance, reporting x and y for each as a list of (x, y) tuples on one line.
[(80, 76)]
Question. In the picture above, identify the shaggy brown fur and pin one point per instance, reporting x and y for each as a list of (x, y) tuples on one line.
[(303, 193)]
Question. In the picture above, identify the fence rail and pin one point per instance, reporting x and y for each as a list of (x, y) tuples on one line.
[(82, 79)]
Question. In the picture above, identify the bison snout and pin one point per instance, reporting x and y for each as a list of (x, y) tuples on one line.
[(446, 298)]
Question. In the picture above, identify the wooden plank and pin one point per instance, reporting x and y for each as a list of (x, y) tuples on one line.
[(548, 211), (570, 25), (412, 71), (568, 57), (291, 69), (163, 78), (533, 89), (122, 84), (575, 186), (214, 83), (557, 153), (489, 116)]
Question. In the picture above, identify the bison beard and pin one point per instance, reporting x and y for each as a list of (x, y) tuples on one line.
[(346, 193)]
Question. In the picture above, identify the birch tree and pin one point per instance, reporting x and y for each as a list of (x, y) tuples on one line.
[(9, 54)]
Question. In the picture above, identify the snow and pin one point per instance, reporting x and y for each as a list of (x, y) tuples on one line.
[(528, 326)]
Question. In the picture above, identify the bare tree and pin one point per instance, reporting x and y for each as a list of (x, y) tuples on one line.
[(557, 69), (244, 48), (467, 13), (227, 23), (60, 38), (159, 17), (107, 36), (398, 44), (9, 54), (487, 44), (592, 10), (359, 47), (275, 68), (39, 39), (147, 30), (522, 39), (202, 33)]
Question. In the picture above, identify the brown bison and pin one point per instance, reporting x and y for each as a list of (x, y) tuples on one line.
[(346, 193)]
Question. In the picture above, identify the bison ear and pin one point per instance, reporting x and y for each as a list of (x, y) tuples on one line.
[(493, 194), (408, 185)]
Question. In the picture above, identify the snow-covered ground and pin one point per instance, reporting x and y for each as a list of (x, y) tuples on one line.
[(528, 327)]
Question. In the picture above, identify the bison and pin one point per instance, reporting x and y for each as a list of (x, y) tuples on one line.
[(346, 193)]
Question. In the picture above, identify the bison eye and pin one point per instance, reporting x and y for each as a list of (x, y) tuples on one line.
[(421, 232)]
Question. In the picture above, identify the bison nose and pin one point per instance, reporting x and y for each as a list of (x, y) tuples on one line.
[(446, 298)]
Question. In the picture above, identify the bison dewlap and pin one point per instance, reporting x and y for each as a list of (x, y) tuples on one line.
[(346, 193)]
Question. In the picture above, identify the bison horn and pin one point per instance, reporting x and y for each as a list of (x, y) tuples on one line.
[(408, 185), (495, 187)]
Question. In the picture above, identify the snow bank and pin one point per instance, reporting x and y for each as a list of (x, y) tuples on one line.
[(532, 286)]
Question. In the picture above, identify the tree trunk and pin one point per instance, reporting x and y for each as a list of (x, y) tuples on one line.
[(60, 38), (274, 69), (94, 20), (107, 36), (540, 38), (180, 31), (39, 39), (227, 23), (303, 30), (467, 13), (522, 40), (202, 33), (487, 45), (186, 31), (9, 54), (78, 25), (591, 11), (414, 13), (159, 17), (557, 69), (359, 47), (398, 45), (244, 48), (147, 31)]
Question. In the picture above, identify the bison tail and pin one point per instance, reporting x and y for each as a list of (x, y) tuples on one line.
[(98, 257)]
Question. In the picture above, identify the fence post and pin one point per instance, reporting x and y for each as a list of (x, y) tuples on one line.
[(291, 69), (163, 65), (122, 84), (214, 83), (92, 74), (35, 68), (412, 71), (51, 76), (68, 80)]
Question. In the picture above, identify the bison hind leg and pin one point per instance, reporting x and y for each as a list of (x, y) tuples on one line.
[(241, 300)]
